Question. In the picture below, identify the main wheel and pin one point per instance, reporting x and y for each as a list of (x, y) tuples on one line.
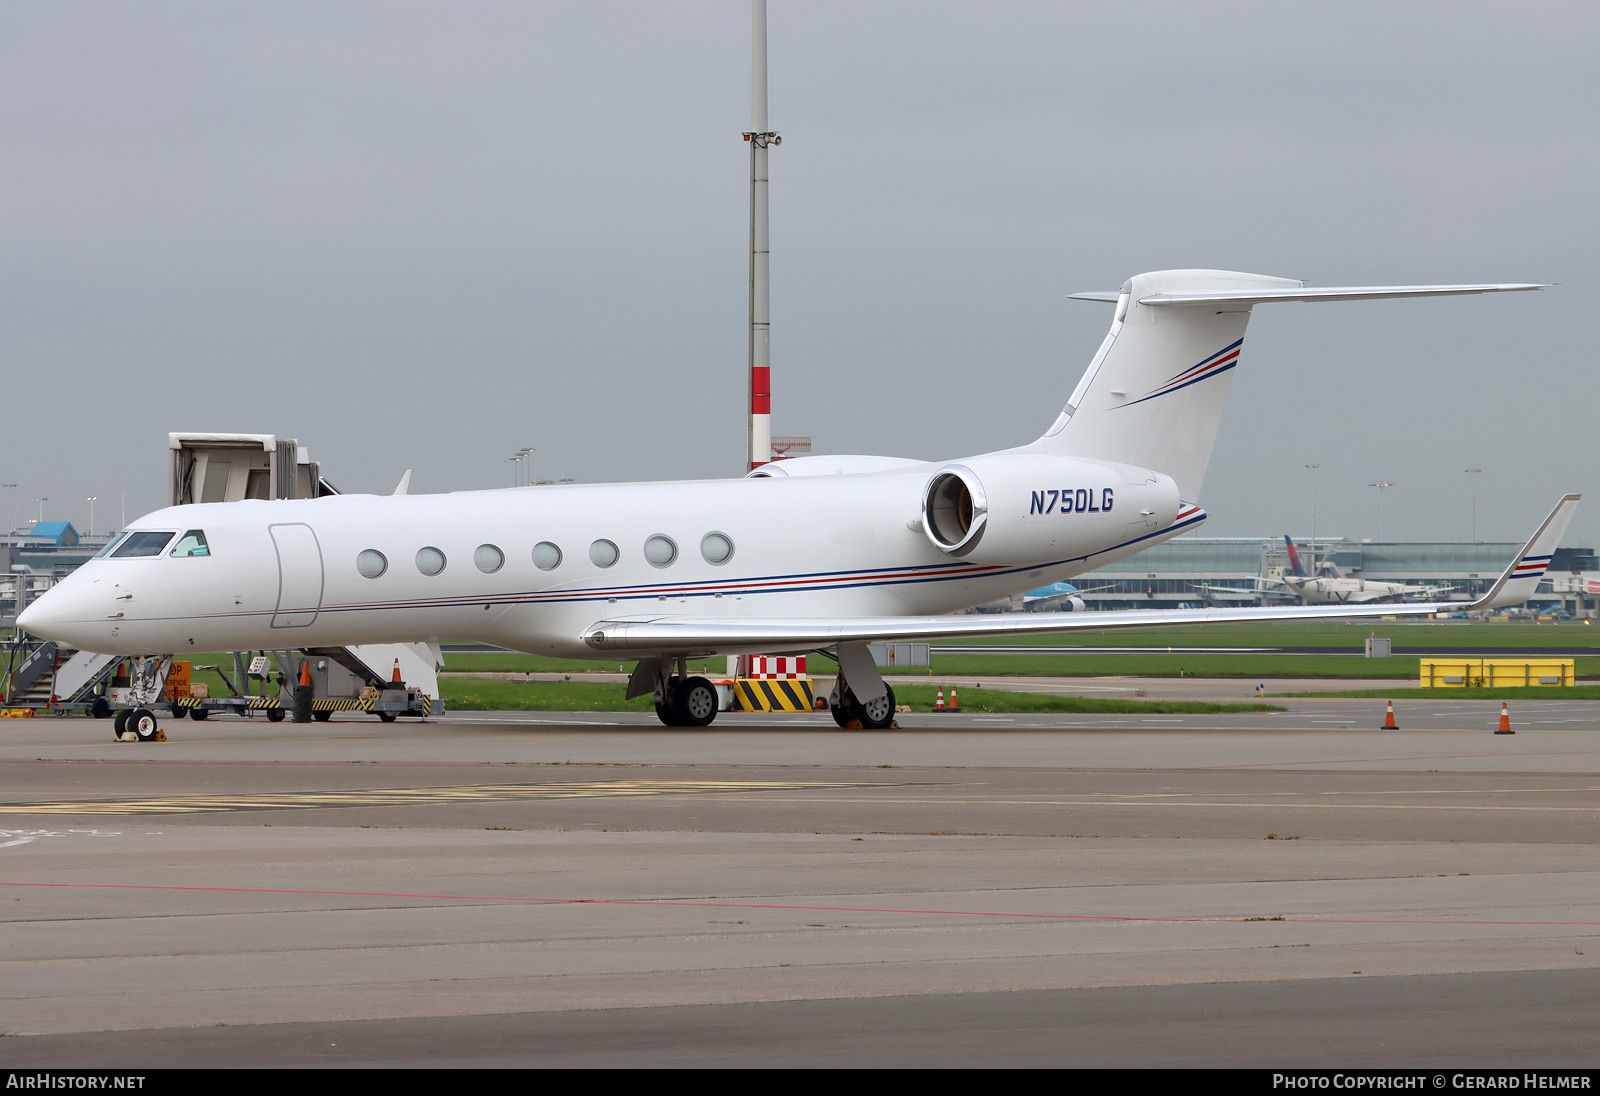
[(840, 711), (666, 703), (696, 702), (142, 722), (875, 714), (120, 723)]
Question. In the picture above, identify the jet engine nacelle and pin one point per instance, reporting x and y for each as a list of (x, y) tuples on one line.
[(1014, 507)]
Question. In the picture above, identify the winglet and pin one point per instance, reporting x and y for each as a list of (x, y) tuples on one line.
[(1522, 577), (404, 487)]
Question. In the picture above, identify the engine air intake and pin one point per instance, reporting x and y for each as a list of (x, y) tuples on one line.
[(954, 510)]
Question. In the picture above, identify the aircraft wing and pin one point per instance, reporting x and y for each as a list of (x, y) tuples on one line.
[(772, 635), (1097, 589)]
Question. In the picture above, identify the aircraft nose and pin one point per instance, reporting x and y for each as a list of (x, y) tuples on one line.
[(51, 615), (35, 619)]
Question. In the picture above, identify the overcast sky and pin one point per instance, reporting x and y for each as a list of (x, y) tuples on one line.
[(426, 235)]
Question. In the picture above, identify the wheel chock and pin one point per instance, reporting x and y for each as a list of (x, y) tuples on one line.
[(127, 736), (160, 735)]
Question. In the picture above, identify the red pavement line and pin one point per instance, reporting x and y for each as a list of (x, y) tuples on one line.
[(784, 906), (1369, 760)]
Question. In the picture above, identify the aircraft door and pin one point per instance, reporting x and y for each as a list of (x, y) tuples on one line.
[(299, 575)]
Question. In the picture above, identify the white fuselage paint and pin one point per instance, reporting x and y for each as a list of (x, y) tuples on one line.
[(283, 574)]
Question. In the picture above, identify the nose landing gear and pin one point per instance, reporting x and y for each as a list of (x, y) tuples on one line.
[(143, 691)]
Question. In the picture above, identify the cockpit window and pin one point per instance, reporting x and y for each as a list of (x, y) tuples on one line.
[(142, 544), (116, 539), (192, 543)]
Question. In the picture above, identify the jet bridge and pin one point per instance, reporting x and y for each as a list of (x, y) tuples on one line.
[(231, 467)]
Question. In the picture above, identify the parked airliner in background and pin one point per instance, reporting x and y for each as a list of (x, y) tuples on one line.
[(815, 554), (1057, 597), (1332, 586)]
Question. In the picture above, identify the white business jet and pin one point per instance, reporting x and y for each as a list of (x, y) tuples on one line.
[(815, 554)]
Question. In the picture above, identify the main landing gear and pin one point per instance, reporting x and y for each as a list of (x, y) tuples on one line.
[(872, 715), (684, 701), (859, 676), (687, 702), (681, 700)]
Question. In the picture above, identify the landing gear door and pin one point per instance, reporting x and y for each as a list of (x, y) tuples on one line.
[(299, 575)]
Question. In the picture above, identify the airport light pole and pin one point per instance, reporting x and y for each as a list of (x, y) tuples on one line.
[(1313, 467), (760, 388), (10, 487), (41, 500), (1474, 482), (92, 499), (1382, 487), (516, 459)]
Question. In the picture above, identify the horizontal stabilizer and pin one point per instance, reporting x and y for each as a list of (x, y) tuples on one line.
[(1331, 293), (1311, 296)]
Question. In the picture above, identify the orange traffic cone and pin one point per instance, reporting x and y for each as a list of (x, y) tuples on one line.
[(1505, 720), (305, 671), (955, 705), (1388, 720), (938, 700), (396, 675)]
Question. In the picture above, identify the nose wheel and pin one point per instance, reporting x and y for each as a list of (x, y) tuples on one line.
[(144, 691), (141, 722)]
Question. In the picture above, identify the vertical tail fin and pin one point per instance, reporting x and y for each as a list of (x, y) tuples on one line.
[(1294, 557), (1153, 395)]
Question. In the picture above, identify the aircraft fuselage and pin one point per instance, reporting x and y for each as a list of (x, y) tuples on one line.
[(531, 568)]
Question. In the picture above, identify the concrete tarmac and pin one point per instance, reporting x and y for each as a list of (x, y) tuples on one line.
[(1298, 889)]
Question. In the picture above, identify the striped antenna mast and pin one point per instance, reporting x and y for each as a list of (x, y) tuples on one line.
[(759, 138)]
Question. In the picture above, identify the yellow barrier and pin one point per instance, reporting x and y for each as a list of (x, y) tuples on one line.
[(1489, 673), (772, 694), (1449, 673)]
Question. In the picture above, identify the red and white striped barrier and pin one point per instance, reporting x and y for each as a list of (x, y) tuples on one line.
[(788, 667)]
